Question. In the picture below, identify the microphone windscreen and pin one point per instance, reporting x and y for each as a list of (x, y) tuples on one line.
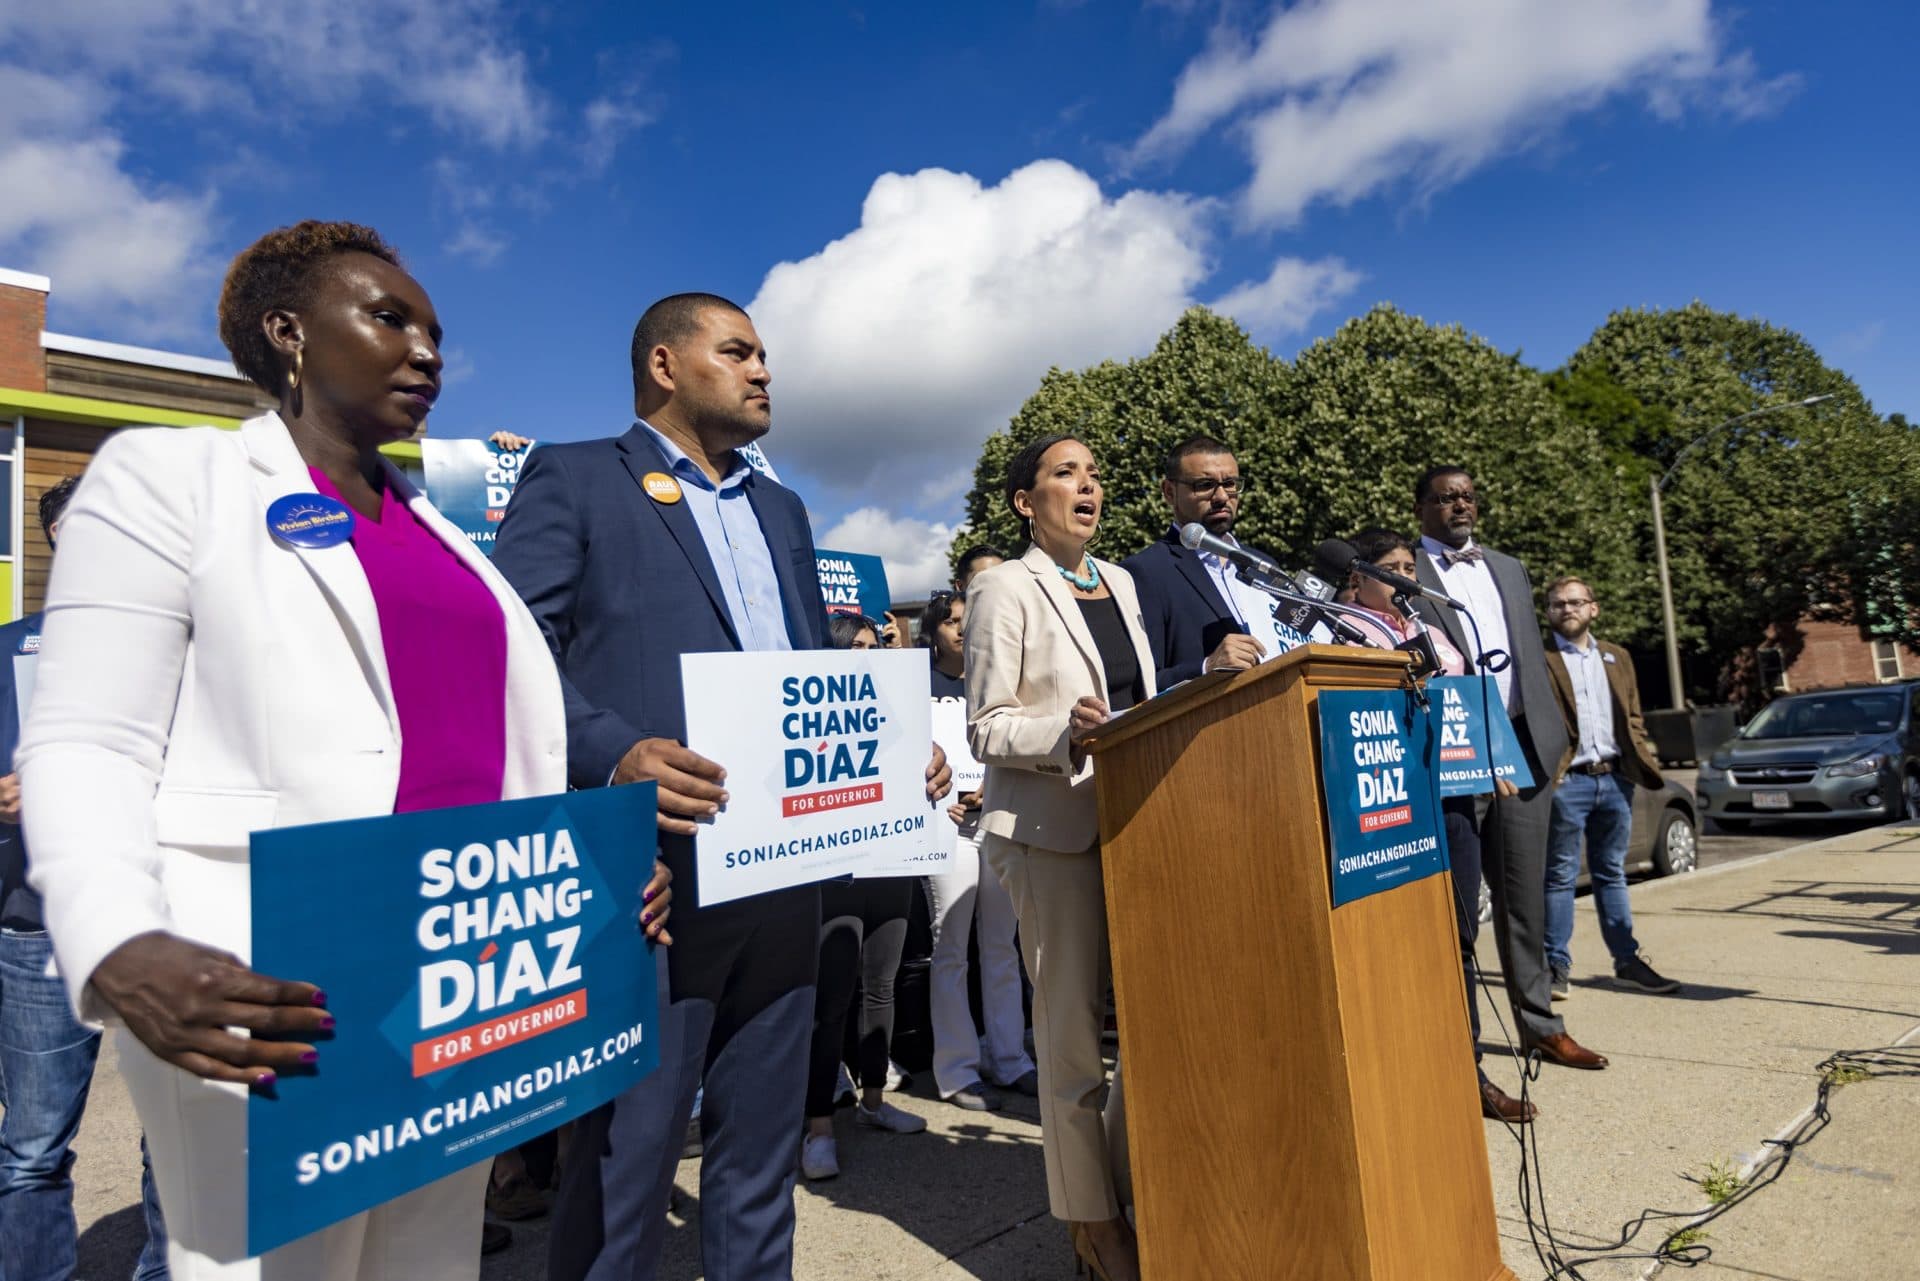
[(1332, 557), (1192, 534)]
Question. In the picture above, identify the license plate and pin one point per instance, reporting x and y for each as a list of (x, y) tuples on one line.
[(1773, 800)]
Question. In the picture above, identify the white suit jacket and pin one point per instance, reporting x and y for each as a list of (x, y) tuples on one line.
[(200, 680), (1030, 658)]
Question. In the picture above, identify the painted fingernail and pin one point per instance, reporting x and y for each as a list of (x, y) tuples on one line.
[(646, 895), (326, 1024), (319, 998), (310, 1058), (645, 917), (264, 1080)]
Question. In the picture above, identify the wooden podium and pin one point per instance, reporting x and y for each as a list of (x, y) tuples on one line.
[(1300, 1089)]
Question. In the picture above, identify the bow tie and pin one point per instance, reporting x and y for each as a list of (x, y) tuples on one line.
[(1466, 555)]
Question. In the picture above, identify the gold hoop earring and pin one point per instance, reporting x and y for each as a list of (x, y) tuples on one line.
[(293, 374)]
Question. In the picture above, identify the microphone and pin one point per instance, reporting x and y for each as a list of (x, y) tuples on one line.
[(1260, 571), (1195, 538), (1338, 556)]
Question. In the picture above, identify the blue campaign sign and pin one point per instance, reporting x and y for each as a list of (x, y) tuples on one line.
[(1464, 707), (471, 482), (853, 584), (488, 977), (1376, 756)]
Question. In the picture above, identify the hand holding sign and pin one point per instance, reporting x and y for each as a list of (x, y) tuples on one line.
[(939, 775), (180, 998), (689, 783)]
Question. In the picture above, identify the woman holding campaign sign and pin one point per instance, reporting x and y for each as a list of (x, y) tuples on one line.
[(1054, 646), (968, 888), (260, 629)]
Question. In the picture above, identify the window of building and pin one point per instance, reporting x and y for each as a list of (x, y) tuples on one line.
[(1773, 669), (1886, 661)]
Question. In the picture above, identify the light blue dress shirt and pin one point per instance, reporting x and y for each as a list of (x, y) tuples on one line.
[(736, 545), (1592, 700)]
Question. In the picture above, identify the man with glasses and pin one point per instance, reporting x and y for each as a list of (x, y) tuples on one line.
[(1199, 616), (1608, 755), (1503, 640)]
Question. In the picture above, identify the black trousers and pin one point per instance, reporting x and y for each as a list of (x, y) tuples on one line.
[(863, 926), (1463, 859)]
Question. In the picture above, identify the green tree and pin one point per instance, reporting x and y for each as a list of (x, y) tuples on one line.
[(1796, 512)]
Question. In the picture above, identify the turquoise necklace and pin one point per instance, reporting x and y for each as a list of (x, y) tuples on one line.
[(1087, 584)]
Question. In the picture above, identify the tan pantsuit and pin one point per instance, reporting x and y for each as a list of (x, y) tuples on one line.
[(1030, 657), (1061, 903)]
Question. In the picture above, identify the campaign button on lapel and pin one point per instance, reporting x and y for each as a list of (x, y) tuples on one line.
[(661, 487), (310, 520)]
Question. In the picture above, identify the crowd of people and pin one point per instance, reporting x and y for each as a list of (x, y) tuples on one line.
[(200, 678)]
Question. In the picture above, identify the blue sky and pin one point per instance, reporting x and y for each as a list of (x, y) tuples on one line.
[(926, 206)]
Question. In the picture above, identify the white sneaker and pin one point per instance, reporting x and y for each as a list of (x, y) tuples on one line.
[(898, 1078), (819, 1157), (890, 1118), (843, 1092)]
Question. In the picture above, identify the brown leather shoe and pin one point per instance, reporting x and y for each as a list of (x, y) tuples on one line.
[(1567, 1052), (1497, 1105)]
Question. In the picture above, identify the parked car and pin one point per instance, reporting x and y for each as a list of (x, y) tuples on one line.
[(1665, 840), (1830, 754)]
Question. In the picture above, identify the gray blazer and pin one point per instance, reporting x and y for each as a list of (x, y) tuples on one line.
[(1544, 732)]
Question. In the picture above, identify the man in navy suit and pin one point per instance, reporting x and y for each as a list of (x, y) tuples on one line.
[(630, 552), (1199, 617)]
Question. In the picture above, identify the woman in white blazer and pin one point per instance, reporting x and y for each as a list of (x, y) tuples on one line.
[(203, 677), (1055, 645)]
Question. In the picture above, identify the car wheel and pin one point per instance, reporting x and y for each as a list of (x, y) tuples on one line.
[(1732, 825), (1677, 849), (1910, 791)]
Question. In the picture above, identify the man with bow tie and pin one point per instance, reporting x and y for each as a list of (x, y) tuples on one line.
[(1512, 830)]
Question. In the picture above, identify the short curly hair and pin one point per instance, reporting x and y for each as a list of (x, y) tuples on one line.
[(277, 272)]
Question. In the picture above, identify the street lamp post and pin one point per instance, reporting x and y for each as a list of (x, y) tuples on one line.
[(1676, 698)]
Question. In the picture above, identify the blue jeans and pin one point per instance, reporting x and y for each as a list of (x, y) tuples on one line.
[(46, 1071), (1599, 809)]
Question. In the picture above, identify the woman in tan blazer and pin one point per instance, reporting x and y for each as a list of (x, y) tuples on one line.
[(1054, 646)]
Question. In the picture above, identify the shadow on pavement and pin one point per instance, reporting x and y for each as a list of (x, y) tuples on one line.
[(111, 1245)]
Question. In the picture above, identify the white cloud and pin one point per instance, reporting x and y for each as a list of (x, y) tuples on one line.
[(139, 253), (1292, 294), (1336, 99), (915, 551), (606, 122), (899, 346)]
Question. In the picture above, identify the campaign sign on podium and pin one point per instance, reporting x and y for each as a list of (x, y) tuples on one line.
[(1376, 754), (489, 980), (471, 482), (826, 758), (1476, 738)]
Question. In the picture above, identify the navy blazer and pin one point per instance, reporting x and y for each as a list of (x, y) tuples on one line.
[(1185, 617), (19, 905), (622, 586)]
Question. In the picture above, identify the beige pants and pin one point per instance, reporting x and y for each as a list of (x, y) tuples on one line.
[(1061, 902), (197, 1135)]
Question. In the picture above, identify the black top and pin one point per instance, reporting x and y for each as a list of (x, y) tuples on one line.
[(945, 686), (1117, 654)]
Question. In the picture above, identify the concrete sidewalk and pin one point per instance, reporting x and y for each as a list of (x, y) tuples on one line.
[(1788, 958)]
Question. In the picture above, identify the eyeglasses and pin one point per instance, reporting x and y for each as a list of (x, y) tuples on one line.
[(1569, 604), (1205, 485)]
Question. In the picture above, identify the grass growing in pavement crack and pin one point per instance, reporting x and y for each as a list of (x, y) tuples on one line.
[(1720, 1181), (1840, 1074)]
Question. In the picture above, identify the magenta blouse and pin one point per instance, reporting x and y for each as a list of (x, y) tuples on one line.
[(446, 648)]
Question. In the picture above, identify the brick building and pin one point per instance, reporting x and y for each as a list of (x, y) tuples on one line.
[(1825, 652), (61, 396)]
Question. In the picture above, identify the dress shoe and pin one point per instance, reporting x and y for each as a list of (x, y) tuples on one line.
[(1567, 1052), (1497, 1105)]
